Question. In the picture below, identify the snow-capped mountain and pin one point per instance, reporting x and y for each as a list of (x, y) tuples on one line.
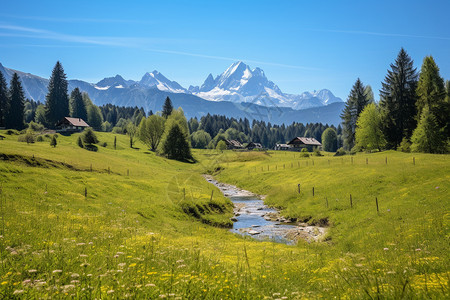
[(116, 81), (158, 80), (239, 83)]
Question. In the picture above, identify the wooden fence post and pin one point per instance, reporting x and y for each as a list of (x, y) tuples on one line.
[(386, 159), (313, 191), (326, 199), (351, 202), (376, 201), (298, 185), (212, 193), (85, 192), (367, 161)]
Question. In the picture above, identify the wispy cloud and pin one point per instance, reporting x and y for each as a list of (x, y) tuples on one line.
[(126, 42), (383, 34), (76, 20)]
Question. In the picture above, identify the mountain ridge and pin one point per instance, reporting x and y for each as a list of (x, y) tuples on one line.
[(148, 94)]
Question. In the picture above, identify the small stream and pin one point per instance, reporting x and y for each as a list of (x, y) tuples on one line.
[(253, 218)]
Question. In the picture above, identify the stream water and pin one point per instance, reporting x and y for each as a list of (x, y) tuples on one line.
[(253, 218)]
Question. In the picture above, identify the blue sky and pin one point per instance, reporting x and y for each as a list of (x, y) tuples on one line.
[(301, 45)]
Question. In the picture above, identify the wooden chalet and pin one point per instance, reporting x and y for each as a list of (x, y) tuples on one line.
[(283, 147), (233, 144), (252, 146), (69, 124), (298, 143)]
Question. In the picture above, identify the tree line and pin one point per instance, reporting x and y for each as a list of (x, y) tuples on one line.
[(413, 113)]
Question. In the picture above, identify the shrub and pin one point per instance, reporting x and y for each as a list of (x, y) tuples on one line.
[(340, 152), (104, 144), (316, 152), (80, 142), (28, 137), (118, 130), (40, 138), (221, 146), (11, 132), (35, 126)]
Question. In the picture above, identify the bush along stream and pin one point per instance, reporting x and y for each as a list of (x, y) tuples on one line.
[(253, 218)]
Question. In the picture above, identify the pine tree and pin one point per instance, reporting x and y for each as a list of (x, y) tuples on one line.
[(167, 108), (427, 137), (53, 142), (89, 136), (355, 104), (57, 100), (398, 100), (15, 114), (175, 145), (78, 108), (4, 100)]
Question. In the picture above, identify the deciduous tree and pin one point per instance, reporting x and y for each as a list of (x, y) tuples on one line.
[(329, 140), (151, 130), (369, 134)]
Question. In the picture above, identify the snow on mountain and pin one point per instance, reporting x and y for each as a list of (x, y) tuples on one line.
[(239, 83), (158, 80), (116, 81)]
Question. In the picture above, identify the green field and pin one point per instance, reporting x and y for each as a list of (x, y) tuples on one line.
[(127, 223)]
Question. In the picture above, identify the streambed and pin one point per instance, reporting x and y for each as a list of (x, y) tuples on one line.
[(253, 218)]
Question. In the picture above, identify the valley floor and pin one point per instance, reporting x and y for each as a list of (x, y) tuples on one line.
[(126, 223)]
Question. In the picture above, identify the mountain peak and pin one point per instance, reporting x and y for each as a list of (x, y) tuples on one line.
[(158, 80)]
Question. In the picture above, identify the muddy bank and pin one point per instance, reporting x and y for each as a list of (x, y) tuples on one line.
[(252, 217)]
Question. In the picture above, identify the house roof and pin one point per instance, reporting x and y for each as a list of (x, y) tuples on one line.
[(283, 145), (233, 143), (256, 145), (304, 141), (75, 122)]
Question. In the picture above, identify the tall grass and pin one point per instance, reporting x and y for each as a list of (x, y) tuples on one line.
[(145, 228)]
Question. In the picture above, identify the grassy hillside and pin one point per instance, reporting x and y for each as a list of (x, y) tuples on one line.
[(148, 227)]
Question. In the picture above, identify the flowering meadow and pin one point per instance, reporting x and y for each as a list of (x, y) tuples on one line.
[(124, 222)]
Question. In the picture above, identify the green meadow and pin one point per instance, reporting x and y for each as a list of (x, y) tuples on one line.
[(125, 222)]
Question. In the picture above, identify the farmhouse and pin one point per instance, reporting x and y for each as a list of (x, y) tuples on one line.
[(284, 147), (71, 125), (298, 143), (233, 144), (252, 146)]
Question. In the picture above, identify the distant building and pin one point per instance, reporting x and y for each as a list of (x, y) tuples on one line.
[(71, 125), (233, 144), (298, 143), (252, 146), (284, 147)]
